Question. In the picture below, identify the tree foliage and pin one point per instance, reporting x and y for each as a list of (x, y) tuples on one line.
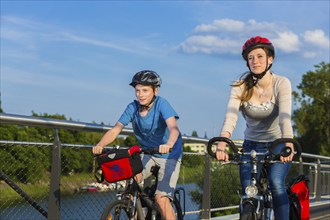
[(22, 161), (194, 134), (312, 118)]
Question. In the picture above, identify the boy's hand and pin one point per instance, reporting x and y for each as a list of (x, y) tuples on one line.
[(165, 148), (97, 149)]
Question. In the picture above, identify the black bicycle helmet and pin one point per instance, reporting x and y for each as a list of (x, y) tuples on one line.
[(146, 77), (257, 42)]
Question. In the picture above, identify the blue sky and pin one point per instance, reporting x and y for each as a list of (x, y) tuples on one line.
[(77, 57)]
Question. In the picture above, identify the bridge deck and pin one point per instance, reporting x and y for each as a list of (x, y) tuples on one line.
[(318, 210)]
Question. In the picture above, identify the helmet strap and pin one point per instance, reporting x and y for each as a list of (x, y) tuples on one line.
[(148, 106), (257, 77)]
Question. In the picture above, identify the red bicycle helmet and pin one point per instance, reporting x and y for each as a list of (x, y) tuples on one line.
[(257, 42)]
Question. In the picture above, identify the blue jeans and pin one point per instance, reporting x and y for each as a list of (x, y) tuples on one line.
[(276, 175)]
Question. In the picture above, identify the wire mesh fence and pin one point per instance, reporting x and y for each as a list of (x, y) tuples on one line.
[(81, 196), (25, 169)]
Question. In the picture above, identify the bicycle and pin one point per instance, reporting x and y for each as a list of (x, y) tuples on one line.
[(136, 202), (257, 203)]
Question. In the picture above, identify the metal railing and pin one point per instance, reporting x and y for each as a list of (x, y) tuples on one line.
[(201, 202)]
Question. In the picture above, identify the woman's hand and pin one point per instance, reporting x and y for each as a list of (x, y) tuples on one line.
[(221, 153), (290, 157)]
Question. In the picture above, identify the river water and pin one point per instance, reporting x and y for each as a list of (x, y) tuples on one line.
[(82, 206)]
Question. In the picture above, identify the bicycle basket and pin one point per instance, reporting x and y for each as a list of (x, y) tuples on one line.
[(119, 164)]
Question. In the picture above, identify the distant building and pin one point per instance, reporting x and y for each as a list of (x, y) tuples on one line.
[(196, 147), (201, 148)]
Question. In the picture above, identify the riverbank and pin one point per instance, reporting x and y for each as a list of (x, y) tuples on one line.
[(40, 189)]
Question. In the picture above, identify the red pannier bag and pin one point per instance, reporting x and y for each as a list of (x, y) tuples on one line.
[(119, 164), (299, 198)]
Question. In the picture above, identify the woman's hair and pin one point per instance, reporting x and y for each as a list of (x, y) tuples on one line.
[(247, 80)]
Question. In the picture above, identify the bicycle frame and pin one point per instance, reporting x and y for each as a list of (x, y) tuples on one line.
[(134, 199), (136, 195), (255, 192), (138, 199)]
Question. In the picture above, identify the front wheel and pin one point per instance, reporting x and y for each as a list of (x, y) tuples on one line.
[(248, 212), (118, 210)]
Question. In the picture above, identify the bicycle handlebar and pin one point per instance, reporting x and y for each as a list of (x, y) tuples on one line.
[(219, 139), (141, 150), (286, 151), (295, 143), (150, 150)]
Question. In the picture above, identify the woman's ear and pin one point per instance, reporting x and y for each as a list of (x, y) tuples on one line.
[(156, 90), (270, 60)]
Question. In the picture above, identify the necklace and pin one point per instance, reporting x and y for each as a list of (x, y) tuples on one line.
[(263, 92)]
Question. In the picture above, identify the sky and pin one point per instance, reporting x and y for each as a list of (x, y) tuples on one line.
[(77, 58)]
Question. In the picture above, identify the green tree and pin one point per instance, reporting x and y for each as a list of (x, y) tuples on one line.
[(131, 141), (194, 134), (312, 118)]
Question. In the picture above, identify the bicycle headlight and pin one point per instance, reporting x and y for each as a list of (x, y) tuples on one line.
[(251, 191)]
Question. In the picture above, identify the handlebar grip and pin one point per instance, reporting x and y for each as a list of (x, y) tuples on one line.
[(287, 140), (154, 150), (285, 152), (105, 151), (220, 139)]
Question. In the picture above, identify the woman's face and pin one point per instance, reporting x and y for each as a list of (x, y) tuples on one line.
[(144, 94), (257, 60)]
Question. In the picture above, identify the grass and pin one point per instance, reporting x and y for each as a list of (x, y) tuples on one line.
[(40, 190)]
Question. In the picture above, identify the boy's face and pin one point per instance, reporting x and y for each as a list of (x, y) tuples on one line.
[(144, 94)]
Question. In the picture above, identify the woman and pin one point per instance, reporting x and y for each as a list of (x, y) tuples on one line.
[(154, 125), (264, 99)]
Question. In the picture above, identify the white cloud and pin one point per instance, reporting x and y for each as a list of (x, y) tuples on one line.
[(310, 54), (317, 38), (263, 28), (287, 42), (219, 38), (31, 34), (21, 22), (23, 78), (95, 42), (210, 44), (221, 25)]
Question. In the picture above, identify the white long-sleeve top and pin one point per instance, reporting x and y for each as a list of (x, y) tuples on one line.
[(266, 122)]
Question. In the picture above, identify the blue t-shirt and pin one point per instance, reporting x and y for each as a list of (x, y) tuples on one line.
[(151, 130)]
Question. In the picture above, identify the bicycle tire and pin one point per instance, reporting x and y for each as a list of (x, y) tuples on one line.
[(248, 212), (117, 210)]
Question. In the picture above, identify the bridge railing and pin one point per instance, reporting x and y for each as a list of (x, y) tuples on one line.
[(62, 193)]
